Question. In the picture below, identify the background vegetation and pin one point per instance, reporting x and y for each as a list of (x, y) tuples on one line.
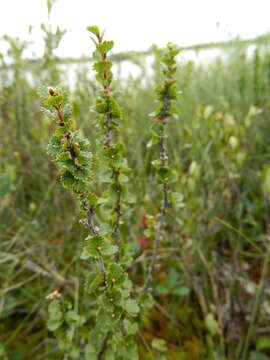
[(212, 283)]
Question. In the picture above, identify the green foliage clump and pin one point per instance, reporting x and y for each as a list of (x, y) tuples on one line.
[(70, 150), (165, 175), (109, 283)]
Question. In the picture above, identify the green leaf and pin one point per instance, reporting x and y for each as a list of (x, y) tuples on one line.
[(131, 307), (101, 66), (157, 130), (172, 91), (127, 349), (105, 46), (211, 324), (150, 144), (51, 115), (104, 229), (72, 318), (93, 199), (123, 179), (64, 156), (131, 328), (263, 343), (93, 281), (55, 308), (101, 78), (101, 105), (67, 179), (161, 289), (115, 109), (94, 30), (54, 102), (60, 132), (177, 200), (97, 246), (159, 345), (79, 186), (67, 111), (168, 60), (84, 158), (83, 174), (55, 140), (173, 52), (115, 275), (84, 143), (92, 249), (166, 175), (172, 278), (90, 352), (52, 150), (106, 175), (160, 90), (55, 315), (181, 291), (43, 94), (173, 176), (108, 249), (109, 354), (111, 299), (147, 300)]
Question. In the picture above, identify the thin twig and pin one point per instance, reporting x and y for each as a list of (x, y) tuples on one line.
[(108, 130), (103, 346), (215, 293), (94, 230), (163, 159), (118, 216)]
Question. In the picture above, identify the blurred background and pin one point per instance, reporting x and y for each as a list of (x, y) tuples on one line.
[(212, 284), (135, 25)]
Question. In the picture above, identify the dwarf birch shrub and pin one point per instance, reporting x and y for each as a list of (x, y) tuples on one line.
[(99, 181), (165, 175), (109, 283)]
